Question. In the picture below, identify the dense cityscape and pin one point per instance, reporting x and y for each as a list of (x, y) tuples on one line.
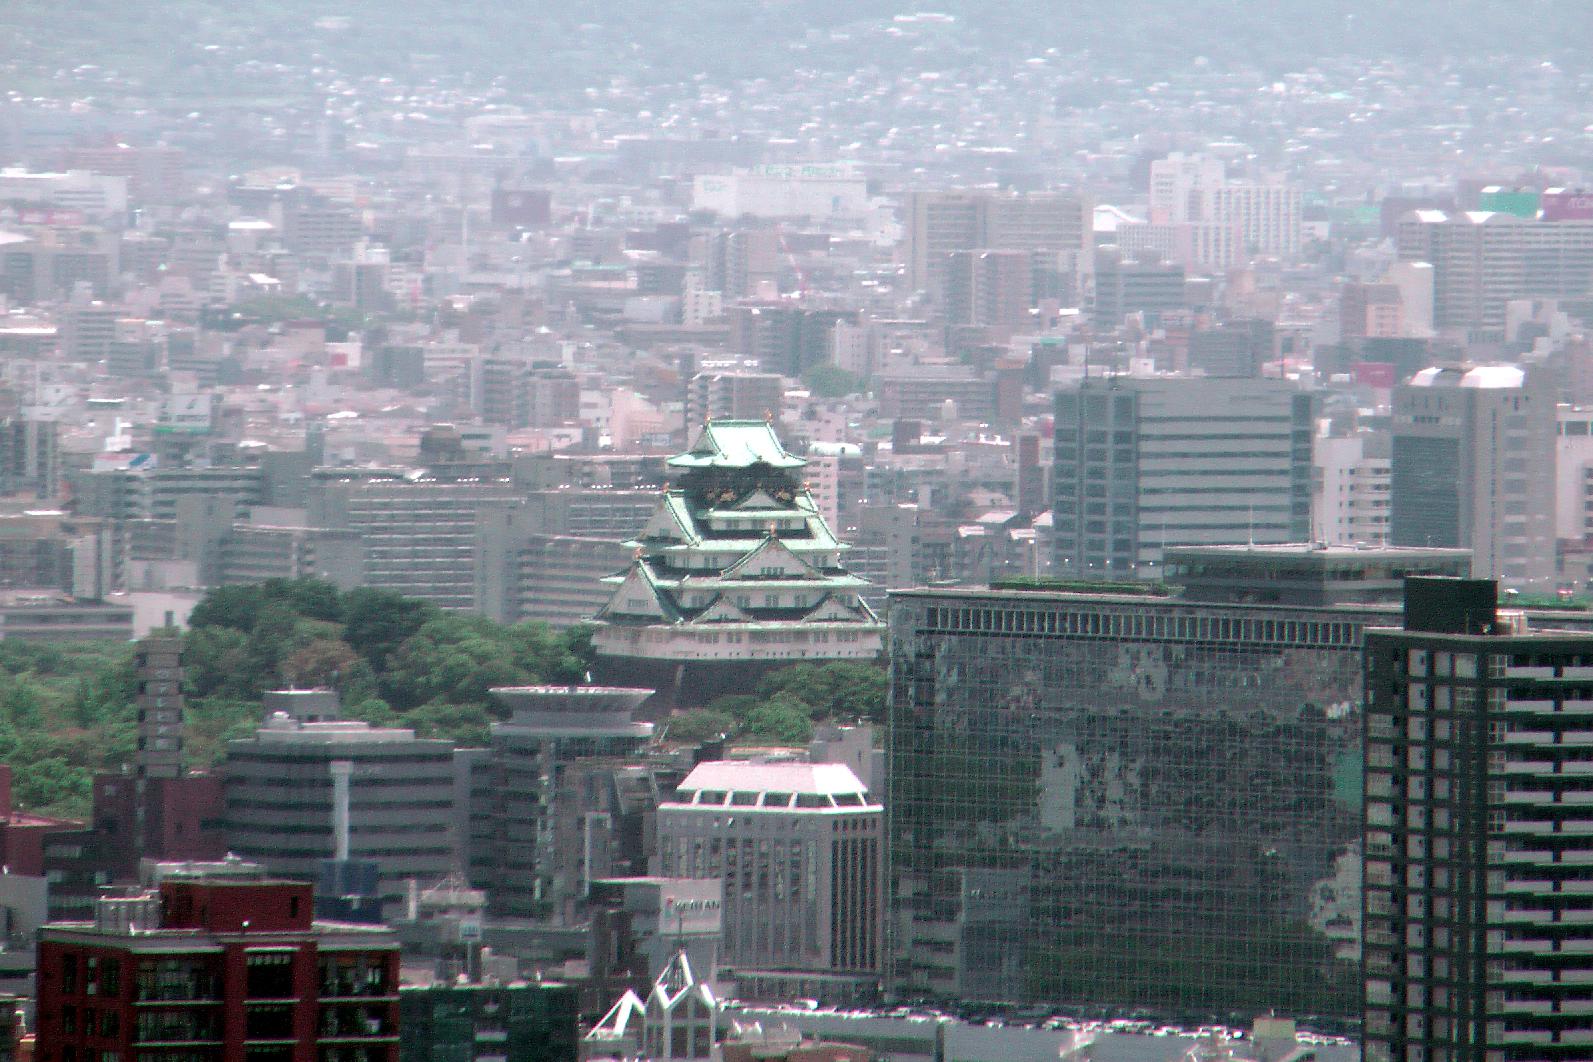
[(796, 530)]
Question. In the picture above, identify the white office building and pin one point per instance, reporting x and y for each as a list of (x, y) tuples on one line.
[(798, 848)]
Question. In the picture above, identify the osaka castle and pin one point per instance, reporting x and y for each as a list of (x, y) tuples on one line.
[(736, 573)]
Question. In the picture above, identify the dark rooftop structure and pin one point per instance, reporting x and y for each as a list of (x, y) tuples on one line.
[(1306, 573)]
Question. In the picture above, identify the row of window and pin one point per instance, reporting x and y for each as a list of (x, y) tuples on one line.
[(1141, 625)]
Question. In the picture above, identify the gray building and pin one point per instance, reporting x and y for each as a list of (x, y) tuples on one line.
[(1142, 464), (560, 798), (640, 923), (1478, 834), (545, 559), (1316, 575), (1472, 466), (404, 795), (420, 534), (732, 396), (1125, 286)]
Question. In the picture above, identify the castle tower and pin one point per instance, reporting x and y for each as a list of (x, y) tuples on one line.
[(736, 573)]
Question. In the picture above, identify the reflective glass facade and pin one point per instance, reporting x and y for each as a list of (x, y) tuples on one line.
[(1125, 801)]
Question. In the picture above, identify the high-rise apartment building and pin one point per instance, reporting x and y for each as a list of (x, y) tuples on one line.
[(1352, 488), (1473, 467), (216, 969), (1054, 226), (1263, 216), (1477, 834), (799, 849), (1483, 260), (990, 289), (1146, 463)]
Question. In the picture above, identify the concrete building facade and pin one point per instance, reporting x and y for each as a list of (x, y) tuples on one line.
[(1473, 467), (799, 849), (1142, 464)]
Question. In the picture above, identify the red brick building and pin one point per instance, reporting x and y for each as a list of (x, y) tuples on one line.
[(216, 970)]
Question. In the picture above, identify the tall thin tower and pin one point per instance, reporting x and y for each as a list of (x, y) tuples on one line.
[(160, 708)]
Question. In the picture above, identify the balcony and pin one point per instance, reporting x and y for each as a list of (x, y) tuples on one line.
[(356, 1023)]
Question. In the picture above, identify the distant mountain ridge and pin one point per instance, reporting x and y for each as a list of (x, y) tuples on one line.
[(556, 46)]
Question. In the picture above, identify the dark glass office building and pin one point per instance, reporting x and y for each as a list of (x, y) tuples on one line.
[(1125, 800)]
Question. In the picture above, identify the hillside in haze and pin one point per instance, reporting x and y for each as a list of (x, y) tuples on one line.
[(562, 47)]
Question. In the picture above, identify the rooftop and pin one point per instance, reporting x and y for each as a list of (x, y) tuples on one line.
[(813, 779), (736, 444), (1481, 377)]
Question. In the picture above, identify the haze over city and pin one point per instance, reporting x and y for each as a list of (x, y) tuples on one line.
[(841, 532)]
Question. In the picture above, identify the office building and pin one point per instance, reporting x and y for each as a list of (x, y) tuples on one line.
[(1142, 464), (1573, 473), (676, 1022), (1131, 800), (786, 340), (545, 559), (1476, 833), (799, 849), (1472, 467), (221, 969), (420, 534), (160, 708), (1125, 285), (559, 798), (1371, 311), (51, 616), (30, 457), (773, 191), (314, 226), (1234, 348), (737, 573), (1482, 260), (299, 791)]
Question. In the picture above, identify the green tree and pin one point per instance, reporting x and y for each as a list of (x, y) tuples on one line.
[(53, 786), (839, 690), (465, 724), (377, 622), (781, 720), (828, 380), (701, 724)]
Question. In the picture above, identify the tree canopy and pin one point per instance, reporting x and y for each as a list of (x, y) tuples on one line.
[(786, 704), (68, 710)]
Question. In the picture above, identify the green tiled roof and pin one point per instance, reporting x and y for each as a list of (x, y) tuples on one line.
[(736, 444)]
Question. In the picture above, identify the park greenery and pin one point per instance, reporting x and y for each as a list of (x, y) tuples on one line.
[(67, 710)]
